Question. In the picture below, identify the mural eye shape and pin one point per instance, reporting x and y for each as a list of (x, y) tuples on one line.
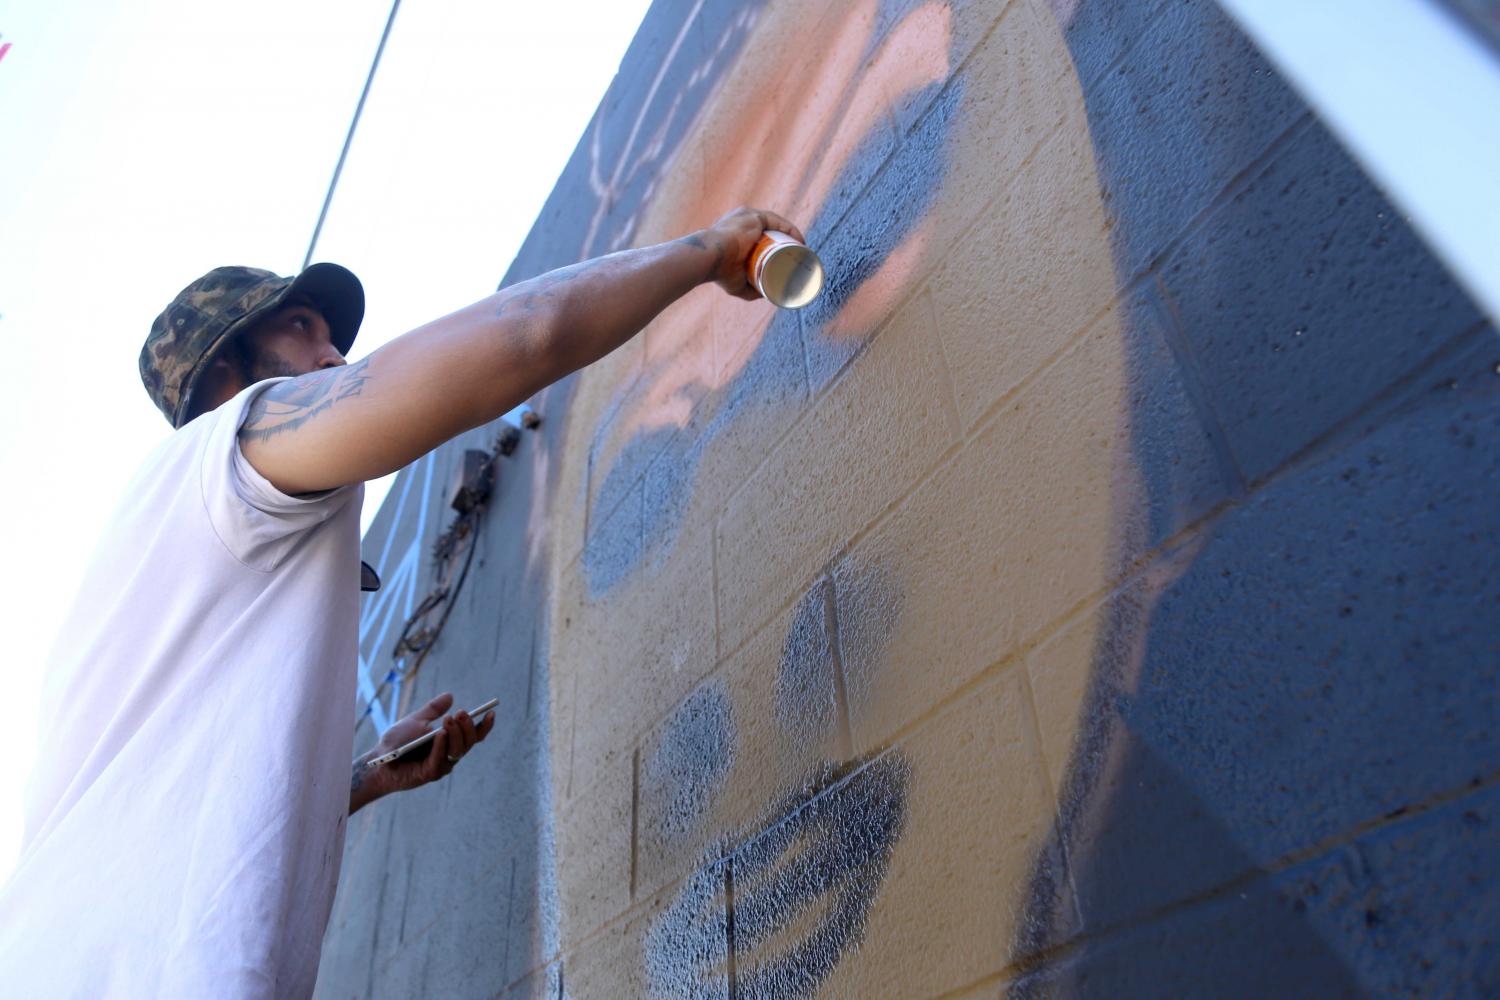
[(791, 897), (800, 890), (695, 754), (805, 708)]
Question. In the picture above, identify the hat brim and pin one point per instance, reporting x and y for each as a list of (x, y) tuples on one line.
[(339, 297)]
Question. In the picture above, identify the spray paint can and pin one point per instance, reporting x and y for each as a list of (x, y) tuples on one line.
[(785, 271)]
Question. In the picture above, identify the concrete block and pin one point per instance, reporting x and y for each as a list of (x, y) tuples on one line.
[(995, 112), (673, 945), (562, 713), (1192, 85), (419, 875), (543, 984), (1035, 273), (1041, 509), (344, 965), (693, 63), (492, 805), (1097, 33), (780, 109), (762, 392), (594, 854), (1403, 910), (673, 46), (679, 345), (738, 327), (972, 853), (1077, 674), (840, 115), (930, 41), (618, 457), (395, 887), (636, 649), (1324, 656), (401, 973), (682, 772), (674, 205), (1179, 457), (801, 889), (613, 548), (759, 395), (1250, 943), (857, 451), (1005, 101), (1410, 904), (560, 463), (466, 946), (1303, 298), (534, 937), (574, 410), (677, 373), (844, 893), (751, 735), (475, 870)]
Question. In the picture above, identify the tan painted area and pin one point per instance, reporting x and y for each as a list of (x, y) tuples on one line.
[(971, 460)]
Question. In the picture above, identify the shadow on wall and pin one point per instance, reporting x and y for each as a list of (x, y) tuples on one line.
[(1269, 787), (814, 154)]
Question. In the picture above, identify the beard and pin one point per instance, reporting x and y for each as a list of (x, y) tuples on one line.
[(271, 365)]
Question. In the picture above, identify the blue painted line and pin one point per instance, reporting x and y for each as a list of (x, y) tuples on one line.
[(390, 536), (401, 584)]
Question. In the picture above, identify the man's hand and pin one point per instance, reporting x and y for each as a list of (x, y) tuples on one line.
[(458, 736), (733, 237)]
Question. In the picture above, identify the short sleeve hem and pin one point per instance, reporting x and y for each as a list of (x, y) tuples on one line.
[(256, 522)]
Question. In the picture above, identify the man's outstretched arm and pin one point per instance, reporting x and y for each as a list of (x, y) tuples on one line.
[(361, 421)]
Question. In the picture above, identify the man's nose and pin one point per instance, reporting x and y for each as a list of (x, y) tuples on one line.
[(331, 359)]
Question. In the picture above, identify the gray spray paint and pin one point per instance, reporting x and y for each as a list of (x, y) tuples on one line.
[(1319, 664), (868, 611), (817, 861), (805, 683), (833, 650), (692, 760), (771, 911), (828, 858), (879, 198)]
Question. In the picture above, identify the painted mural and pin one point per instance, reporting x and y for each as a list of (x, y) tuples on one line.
[(1087, 592)]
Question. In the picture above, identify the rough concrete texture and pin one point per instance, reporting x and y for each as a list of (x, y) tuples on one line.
[(1092, 593)]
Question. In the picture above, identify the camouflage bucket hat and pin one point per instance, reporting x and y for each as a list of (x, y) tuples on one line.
[(211, 311)]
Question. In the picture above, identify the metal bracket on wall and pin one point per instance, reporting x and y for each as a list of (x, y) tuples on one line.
[(471, 496)]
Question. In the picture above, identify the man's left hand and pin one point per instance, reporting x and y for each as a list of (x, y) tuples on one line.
[(457, 738)]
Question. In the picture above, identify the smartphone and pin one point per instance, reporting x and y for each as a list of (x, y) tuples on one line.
[(407, 752)]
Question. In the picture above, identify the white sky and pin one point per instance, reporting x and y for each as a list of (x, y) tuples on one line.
[(143, 142)]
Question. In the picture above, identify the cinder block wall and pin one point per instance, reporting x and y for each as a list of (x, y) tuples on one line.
[(1093, 593)]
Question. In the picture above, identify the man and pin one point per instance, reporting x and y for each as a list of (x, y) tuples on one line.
[(185, 821)]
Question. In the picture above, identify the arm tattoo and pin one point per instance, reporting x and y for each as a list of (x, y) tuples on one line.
[(694, 240), (531, 295), (288, 405)]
